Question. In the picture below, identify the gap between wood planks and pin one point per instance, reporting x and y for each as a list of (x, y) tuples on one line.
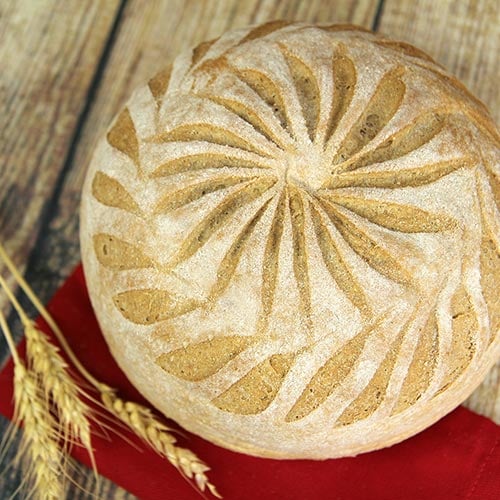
[(94, 85), (378, 15)]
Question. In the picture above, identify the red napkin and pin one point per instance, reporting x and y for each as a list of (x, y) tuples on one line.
[(457, 458)]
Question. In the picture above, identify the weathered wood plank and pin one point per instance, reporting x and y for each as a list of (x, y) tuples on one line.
[(49, 52), (465, 38)]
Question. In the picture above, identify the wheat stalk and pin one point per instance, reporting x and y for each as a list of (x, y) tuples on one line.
[(44, 359), (53, 374), (39, 450), (48, 368), (151, 430)]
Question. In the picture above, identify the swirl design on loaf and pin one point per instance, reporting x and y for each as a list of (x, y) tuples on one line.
[(313, 176)]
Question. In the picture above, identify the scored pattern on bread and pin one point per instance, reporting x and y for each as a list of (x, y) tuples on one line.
[(315, 177)]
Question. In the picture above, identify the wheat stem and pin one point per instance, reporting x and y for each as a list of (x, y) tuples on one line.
[(47, 317), (9, 338), (45, 360), (40, 442), (52, 376)]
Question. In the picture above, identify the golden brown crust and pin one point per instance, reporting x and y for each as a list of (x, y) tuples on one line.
[(291, 240)]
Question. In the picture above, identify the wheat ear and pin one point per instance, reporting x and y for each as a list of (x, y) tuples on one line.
[(138, 418), (39, 450), (53, 375), (144, 423), (45, 360)]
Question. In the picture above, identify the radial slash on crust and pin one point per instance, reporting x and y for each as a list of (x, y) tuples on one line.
[(271, 263), (368, 249), (335, 263), (300, 254), (110, 192), (383, 105), (331, 374), (219, 216), (307, 90), (230, 261), (344, 83), (204, 161)]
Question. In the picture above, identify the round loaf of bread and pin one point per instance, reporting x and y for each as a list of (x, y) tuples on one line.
[(291, 240)]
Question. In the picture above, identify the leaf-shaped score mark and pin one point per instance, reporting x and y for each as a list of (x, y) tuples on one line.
[(158, 85), (199, 361), (256, 390), (374, 393), (344, 83), (494, 181), (271, 262), (173, 200), (490, 278), (200, 50), (268, 91), (367, 248), (300, 258), (383, 105), (122, 136), (230, 261), (213, 134), (392, 179), (464, 328), (404, 218), (335, 263), (422, 366), (307, 90), (247, 114), (114, 253), (203, 161), (148, 306), (219, 216), (263, 30), (111, 193), (331, 374), (412, 137)]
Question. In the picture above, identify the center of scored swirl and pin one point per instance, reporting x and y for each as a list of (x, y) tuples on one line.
[(307, 169)]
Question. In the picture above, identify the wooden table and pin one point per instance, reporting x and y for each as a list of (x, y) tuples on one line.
[(68, 67)]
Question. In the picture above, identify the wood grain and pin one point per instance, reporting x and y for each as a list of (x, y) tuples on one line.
[(49, 54), (463, 37)]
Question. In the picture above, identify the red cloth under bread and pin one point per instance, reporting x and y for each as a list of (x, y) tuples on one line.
[(457, 458)]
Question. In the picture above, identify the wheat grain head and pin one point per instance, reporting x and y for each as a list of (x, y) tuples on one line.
[(46, 361), (39, 450), (145, 424)]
